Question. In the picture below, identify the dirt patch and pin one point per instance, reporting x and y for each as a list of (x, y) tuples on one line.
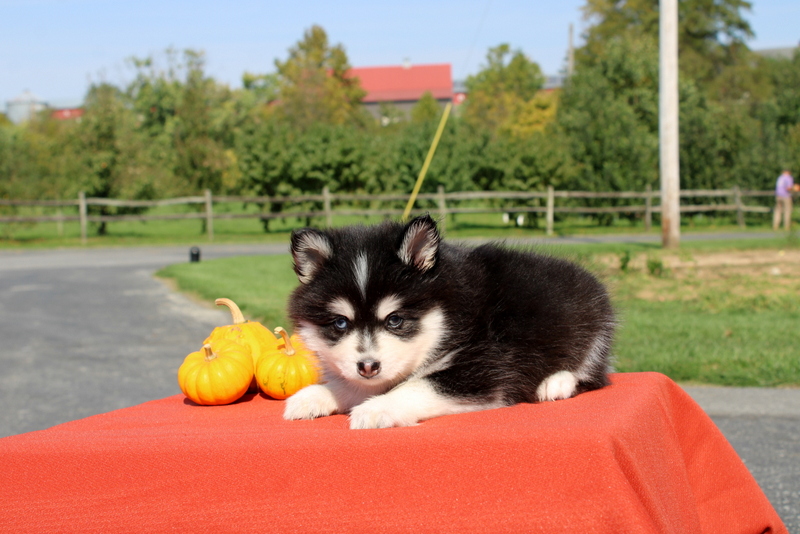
[(775, 263), (754, 279)]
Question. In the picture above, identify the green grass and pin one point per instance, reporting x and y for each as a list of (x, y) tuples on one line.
[(693, 329), (729, 348), (260, 285), (132, 233)]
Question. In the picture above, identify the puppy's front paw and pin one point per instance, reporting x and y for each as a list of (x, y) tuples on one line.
[(379, 412), (560, 385), (310, 402)]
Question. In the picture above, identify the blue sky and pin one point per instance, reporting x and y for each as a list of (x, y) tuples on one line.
[(56, 48)]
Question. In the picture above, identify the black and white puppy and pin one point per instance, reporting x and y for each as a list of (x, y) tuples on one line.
[(407, 327)]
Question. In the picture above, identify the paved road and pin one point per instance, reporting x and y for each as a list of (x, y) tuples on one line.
[(89, 331)]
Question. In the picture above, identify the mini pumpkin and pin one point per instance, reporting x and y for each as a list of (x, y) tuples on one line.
[(250, 333), (219, 373), (288, 369)]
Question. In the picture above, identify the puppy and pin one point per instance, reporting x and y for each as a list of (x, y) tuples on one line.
[(408, 327)]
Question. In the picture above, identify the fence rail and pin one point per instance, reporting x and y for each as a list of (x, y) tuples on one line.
[(444, 205)]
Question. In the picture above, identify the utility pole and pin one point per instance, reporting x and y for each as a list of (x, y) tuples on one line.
[(668, 124)]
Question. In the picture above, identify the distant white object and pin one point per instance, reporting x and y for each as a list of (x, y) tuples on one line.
[(23, 107), (506, 218), (520, 220)]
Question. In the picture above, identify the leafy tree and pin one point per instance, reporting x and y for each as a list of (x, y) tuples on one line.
[(785, 78), (263, 87), (185, 115), (105, 143), (534, 115), (314, 86), (426, 109), (711, 33), (505, 84), (202, 159), (609, 116)]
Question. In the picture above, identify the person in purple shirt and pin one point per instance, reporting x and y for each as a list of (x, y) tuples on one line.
[(783, 200)]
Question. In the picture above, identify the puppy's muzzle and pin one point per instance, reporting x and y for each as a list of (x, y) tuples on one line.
[(369, 368)]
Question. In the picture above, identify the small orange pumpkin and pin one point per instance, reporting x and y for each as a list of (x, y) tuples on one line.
[(219, 373), (287, 370), (249, 333)]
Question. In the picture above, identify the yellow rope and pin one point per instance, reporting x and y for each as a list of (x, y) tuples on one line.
[(427, 163)]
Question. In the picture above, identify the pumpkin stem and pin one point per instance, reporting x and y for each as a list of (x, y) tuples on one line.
[(209, 353), (289, 350), (236, 313)]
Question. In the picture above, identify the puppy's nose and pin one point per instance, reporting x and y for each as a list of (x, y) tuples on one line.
[(369, 368)]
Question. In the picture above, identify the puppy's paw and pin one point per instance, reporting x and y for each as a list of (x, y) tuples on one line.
[(310, 402), (379, 412), (560, 385)]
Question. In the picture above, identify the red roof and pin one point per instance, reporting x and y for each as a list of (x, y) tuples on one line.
[(404, 83), (66, 114)]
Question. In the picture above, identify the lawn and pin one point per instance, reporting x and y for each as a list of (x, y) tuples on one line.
[(718, 314), (475, 225)]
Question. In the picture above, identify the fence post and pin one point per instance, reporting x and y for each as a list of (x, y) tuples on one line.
[(442, 207), (326, 200), (82, 215), (209, 215), (648, 207), (737, 196), (551, 204)]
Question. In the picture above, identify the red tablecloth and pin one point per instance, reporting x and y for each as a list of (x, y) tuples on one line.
[(638, 456)]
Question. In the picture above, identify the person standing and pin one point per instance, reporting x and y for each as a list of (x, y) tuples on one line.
[(783, 200)]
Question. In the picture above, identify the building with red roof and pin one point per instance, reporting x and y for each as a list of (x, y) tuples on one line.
[(403, 85)]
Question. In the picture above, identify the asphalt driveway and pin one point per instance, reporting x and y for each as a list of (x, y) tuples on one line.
[(86, 331), (89, 331)]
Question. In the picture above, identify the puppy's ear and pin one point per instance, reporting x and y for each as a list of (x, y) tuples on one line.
[(310, 249), (420, 243)]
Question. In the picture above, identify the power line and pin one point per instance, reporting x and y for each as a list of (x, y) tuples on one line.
[(477, 34)]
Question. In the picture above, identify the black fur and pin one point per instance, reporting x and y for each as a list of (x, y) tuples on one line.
[(513, 318)]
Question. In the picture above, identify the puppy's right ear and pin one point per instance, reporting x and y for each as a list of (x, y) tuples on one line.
[(420, 245), (310, 249)]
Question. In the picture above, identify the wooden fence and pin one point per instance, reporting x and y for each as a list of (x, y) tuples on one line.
[(322, 205)]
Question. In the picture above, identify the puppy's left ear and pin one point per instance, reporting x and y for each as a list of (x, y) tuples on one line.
[(420, 244), (310, 250)]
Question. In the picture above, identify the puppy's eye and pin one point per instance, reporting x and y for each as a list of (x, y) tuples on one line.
[(341, 324), (394, 321)]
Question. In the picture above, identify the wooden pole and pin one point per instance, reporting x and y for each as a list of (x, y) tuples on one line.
[(551, 205), (427, 163), (442, 208), (648, 207), (209, 215), (82, 215), (668, 124), (737, 198), (326, 204)]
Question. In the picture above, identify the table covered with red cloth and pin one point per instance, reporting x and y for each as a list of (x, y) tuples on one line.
[(637, 456)]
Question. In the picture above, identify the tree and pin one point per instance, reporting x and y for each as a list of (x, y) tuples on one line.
[(185, 116), (202, 159), (106, 143), (313, 84), (711, 33), (426, 109), (609, 117), (534, 115), (503, 86)]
